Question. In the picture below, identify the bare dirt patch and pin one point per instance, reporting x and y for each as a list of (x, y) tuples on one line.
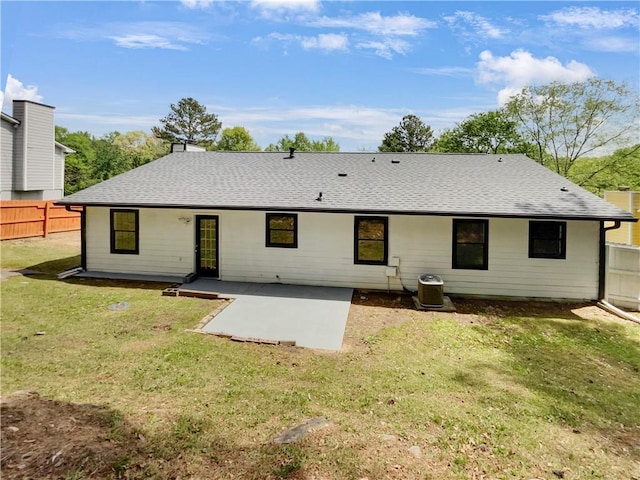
[(373, 311), (48, 439)]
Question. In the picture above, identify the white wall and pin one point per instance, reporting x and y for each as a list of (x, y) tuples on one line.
[(166, 244), (7, 132), (35, 141), (623, 275), (325, 253), (426, 247)]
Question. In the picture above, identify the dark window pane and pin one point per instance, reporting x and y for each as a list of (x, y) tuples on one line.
[(371, 229), (124, 221), (470, 255), (282, 230), (546, 230), (281, 237), (124, 234), (547, 239), (470, 232), (547, 247), (371, 240), (125, 241), (281, 223), (370, 251), (470, 244)]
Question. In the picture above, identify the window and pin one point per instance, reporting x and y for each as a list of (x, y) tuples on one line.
[(282, 230), (370, 246), (124, 231), (547, 239), (470, 244)]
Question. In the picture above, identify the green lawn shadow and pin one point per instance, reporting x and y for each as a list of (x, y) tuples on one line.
[(584, 373)]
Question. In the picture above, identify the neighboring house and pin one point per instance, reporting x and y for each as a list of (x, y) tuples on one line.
[(490, 225), (31, 161), (630, 201)]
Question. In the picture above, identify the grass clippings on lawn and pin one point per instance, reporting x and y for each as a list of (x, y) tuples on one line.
[(496, 390)]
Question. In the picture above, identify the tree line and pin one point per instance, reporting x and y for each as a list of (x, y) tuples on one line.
[(558, 125)]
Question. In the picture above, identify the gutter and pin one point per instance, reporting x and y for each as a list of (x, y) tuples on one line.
[(83, 235), (350, 211), (602, 264)]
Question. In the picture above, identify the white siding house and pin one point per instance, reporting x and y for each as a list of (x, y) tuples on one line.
[(259, 217)]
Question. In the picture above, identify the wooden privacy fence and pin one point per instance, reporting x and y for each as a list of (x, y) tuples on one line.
[(623, 276), (24, 218)]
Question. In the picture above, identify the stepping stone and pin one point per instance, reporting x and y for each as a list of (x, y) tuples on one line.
[(300, 431)]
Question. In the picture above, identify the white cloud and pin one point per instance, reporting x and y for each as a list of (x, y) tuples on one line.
[(161, 35), (327, 42), (383, 33), (16, 90), (193, 4), (354, 127), (593, 18), (444, 71), (123, 122), (274, 8), (386, 48), (521, 69), (612, 44), (481, 27), (373, 22), (146, 40)]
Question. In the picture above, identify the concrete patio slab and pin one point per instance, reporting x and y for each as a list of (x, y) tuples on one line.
[(313, 317)]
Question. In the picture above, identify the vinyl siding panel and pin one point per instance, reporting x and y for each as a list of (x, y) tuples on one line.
[(19, 148), (424, 245), (39, 132), (325, 253), (635, 205), (166, 244), (7, 133), (58, 171)]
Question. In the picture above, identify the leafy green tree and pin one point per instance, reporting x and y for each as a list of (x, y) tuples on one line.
[(189, 122), (237, 139), (78, 165), (566, 122), (140, 147), (97, 159), (302, 144), (487, 132), (111, 160), (327, 144), (411, 135), (599, 174)]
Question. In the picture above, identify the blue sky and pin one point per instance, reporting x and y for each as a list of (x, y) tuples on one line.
[(350, 70)]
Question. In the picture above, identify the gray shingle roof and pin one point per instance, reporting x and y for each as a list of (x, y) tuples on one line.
[(412, 183)]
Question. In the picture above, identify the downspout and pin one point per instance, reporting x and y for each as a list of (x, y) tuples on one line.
[(603, 256), (83, 235)]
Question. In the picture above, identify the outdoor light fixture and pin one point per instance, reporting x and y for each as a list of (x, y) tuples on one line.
[(185, 220)]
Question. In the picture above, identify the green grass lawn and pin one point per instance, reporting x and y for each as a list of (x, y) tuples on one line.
[(511, 396)]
